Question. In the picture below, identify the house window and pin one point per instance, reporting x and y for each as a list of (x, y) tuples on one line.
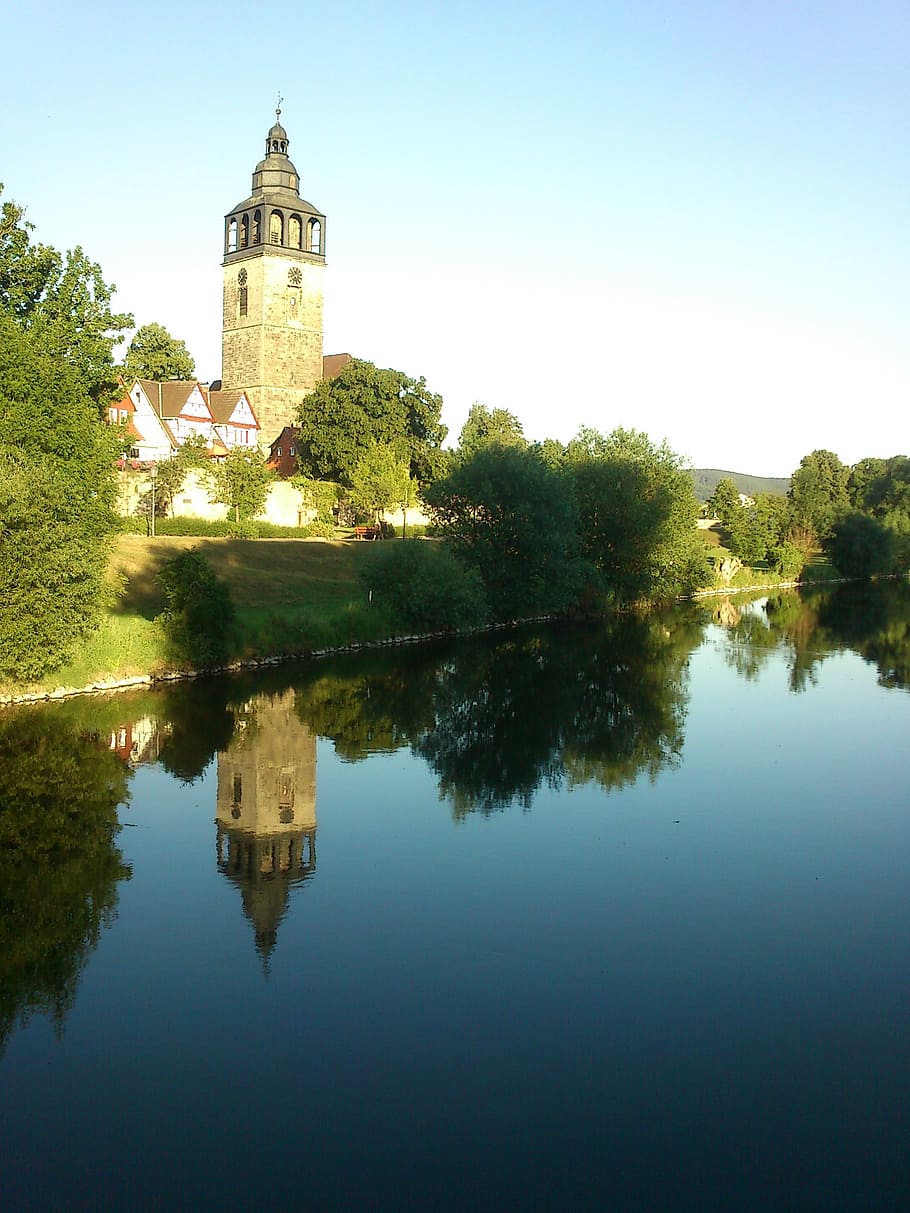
[(292, 450), (277, 451)]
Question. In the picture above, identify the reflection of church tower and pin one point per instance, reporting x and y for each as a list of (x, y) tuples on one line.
[(266, 812), (274, 261)]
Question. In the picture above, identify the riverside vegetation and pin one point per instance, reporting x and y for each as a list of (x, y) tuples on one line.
[(523, 529)]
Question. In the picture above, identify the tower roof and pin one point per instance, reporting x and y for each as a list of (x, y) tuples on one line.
[(275, 178)]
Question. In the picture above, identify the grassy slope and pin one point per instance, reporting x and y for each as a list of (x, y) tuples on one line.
[(290, 594), (265, 573)]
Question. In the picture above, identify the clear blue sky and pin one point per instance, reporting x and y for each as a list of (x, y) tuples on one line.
[(688, 218)]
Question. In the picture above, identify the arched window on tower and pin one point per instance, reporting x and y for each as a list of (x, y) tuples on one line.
[(276, 228), (244, 231), (232, 236), (255, 234), (294, 231), (315, 236)]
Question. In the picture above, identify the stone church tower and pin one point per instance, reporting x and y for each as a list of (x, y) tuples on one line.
[(274, 261)]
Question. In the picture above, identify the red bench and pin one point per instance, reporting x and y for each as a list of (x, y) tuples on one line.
[(366, 532)]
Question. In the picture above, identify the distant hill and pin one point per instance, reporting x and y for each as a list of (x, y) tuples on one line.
[(706, 481)]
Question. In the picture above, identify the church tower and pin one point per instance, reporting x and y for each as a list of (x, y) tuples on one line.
[(274, 261)]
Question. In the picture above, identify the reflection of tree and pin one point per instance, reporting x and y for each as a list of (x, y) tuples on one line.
[(750, 643), (600, 705), (200, 724), (496, 717), (373, 703), (59, 867), (872, 620)]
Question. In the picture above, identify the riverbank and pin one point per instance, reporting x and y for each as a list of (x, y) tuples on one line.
[(294, 598)]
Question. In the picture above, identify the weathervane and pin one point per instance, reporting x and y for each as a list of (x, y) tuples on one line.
[(278, 107)]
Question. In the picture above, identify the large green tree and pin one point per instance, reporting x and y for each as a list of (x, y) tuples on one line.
[(57, 493), (488, 427), (381, 480), (63, 301), (511, 517), (241, 481), (636, 508), (342, 418), (818, 492), (155, 354)]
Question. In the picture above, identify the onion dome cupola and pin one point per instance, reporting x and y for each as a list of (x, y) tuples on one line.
[(275, 218)]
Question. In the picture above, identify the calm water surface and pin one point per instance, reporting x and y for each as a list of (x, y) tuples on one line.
[(615, 917)]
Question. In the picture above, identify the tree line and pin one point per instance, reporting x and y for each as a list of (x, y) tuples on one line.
[(859, 516)]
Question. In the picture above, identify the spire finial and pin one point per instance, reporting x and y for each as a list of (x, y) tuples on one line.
[(278, 108)]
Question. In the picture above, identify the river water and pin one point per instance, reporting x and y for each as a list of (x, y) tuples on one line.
[(610, 916)]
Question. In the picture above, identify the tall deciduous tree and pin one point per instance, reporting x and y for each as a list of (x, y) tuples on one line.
[(512, 518), (242, 482), (488, 427), (63, 301), (636, 508), (57, 492), (381, 480), (343, 417), (155, 354), (818, 492)]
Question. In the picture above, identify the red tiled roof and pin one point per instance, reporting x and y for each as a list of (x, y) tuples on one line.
[(334, 364)]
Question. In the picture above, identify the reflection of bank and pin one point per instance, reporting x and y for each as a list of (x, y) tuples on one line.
[(266, 811)]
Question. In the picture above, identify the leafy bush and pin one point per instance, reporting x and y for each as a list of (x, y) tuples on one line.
[(206, 528), (787, 559), (423, 586), (244, 529), (198, 620), (861, 546), (135, 524), (196, 527)]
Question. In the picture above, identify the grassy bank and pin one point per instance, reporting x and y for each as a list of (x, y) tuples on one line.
[(291, 596)]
